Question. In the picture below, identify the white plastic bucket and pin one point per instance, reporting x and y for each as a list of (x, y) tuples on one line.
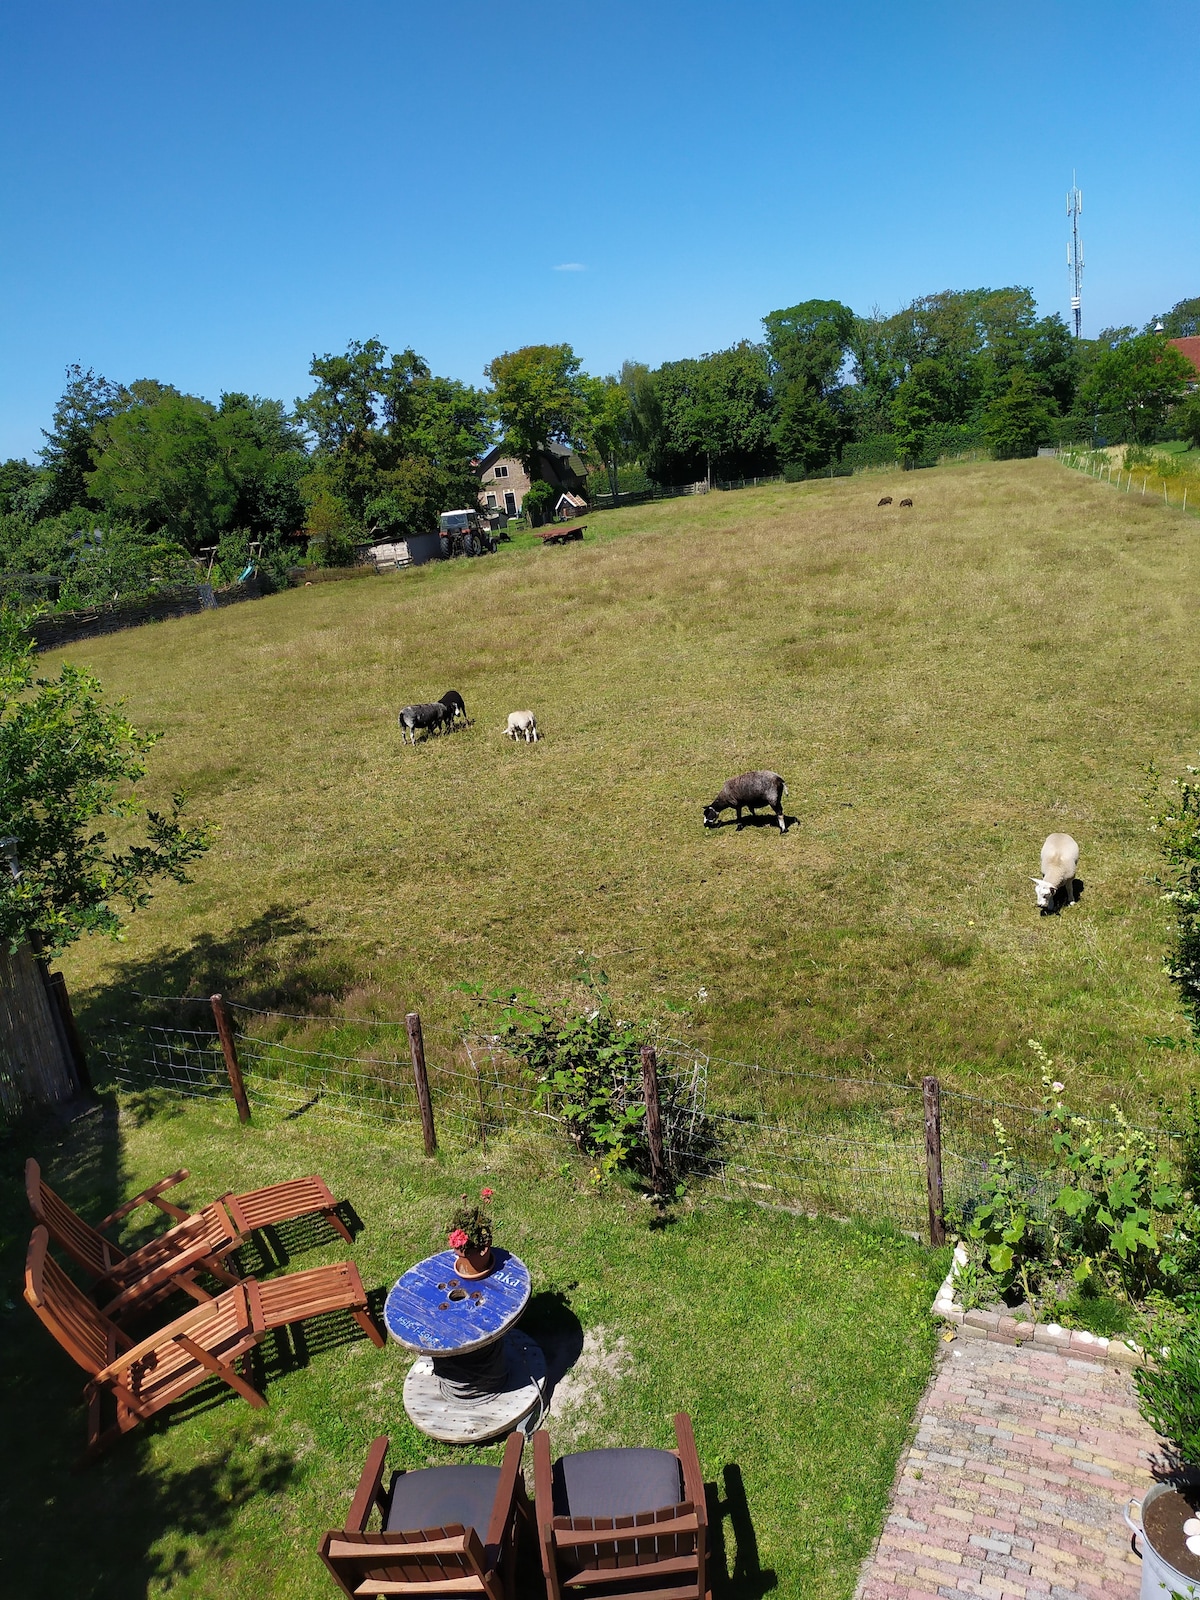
[(1160, 1580)]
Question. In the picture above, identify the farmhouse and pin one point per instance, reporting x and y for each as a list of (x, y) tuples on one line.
[(1191, 349), (503, 481)]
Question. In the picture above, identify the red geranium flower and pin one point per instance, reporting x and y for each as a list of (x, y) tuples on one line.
[(457, 1240), (485, 1194)]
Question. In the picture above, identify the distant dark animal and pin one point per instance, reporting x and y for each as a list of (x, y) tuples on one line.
[(456, 705), (906, 502), (747, 793), (433, 718), (887, 500)]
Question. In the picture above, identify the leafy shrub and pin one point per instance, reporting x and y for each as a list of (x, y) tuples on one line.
[(1169, 1391), (539, 501), (1005, 1238), (1178, 827)]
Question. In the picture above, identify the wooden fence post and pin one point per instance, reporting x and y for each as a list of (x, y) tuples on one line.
[(417, 1045), (229, 1051), (654, 1133), (931, 1091)]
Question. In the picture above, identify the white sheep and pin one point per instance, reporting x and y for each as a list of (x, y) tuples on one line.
[(1060, 859), (522, 722)]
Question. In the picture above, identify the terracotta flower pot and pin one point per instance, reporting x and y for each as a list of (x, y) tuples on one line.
[(473, 1263)]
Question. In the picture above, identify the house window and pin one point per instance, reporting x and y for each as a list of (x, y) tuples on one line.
[(510, 503), (491, 500), (502, 472)]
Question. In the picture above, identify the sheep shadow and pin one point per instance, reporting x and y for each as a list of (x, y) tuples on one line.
[(754, 819), (1065, 895)]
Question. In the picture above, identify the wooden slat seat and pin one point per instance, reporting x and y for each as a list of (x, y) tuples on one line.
[(337, 1287), (612, 1519), (128, 1283), (468, 1547), (205, 1342)]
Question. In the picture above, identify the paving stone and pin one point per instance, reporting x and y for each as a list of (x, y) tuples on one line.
[(1028, 1454)]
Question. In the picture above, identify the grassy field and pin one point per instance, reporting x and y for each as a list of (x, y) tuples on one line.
[(941, 687), (800, 1348)]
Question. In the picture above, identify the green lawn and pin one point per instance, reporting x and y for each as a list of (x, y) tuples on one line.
[(941, 687), (799, 1347)]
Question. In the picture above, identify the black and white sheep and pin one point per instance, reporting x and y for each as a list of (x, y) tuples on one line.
[(747, 793), (522, 722), (1060, 862), (456, 706), (432, 717)]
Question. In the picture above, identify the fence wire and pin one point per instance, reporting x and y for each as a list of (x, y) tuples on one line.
[(839, 1146)]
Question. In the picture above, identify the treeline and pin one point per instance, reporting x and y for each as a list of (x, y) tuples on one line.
[(139, 486)]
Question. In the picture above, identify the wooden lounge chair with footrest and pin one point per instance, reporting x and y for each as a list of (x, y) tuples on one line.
[(125, 1284), (632, 1521), (445, 1530), (144, 1377)]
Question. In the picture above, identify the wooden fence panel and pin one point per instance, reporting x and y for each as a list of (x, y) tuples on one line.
[(35, 1064)]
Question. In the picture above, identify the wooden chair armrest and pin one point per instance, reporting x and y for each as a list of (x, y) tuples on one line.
[(506, 1492), (367, 1494), (543, 1506), (689, 1460), (151, 1196), (190, 1320)]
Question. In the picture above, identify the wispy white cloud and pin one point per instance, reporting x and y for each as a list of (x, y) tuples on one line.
[(570, 266)]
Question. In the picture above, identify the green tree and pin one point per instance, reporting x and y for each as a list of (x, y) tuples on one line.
[(86, 404), (715, 415), (539, 501), (1139, 379), (610, 423), (1018, 419), (158, 466), (1181, 322), (538, 396), (68, 760), (17, 477), (922, 401), (1186, 417), (807, 343), (806, 432)]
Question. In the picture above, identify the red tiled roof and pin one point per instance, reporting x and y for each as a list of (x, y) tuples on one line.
[(1190, 348)]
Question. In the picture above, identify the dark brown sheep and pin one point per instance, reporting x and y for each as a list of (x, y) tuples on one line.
[(906, 502), (747, 793), (886, 501)]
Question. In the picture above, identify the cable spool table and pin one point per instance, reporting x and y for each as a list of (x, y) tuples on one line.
[(476, 1376)]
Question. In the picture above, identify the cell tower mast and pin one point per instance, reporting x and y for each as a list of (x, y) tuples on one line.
[(1075, 254)]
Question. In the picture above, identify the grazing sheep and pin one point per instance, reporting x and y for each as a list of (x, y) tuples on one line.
[(886, 501), (432, 718), (456, 705), (1060, 859), (906, 501), (748, 792), (522, 722)]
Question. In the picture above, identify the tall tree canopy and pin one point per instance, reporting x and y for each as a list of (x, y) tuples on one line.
[(539, 397), (1139, 379)]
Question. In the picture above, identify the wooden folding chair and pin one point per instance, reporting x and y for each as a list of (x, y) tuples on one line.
[(144, 1377), (633, 1521), (430, 1541), (126, 1284)]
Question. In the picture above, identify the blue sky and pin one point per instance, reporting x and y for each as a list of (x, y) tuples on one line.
[(209, 194)]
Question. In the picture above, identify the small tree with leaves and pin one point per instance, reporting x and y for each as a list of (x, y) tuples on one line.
[(1178, 827), (68, 760)]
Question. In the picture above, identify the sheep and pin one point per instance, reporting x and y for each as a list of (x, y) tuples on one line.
[(431, 717), (522, 722), (751, 790), (1060, 859), (886, 501), (906, 501), (456, 705)]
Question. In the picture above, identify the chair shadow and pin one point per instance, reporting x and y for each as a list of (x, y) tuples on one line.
[(745, 1579), (549, 1320), (271, 1249)]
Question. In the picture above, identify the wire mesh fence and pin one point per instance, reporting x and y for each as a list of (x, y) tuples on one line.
[(844, 1147)]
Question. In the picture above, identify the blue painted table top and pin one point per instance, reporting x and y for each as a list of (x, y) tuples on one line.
[(432, 1309)]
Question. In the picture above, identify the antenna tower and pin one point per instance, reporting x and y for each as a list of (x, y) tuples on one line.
[(1075, 254)]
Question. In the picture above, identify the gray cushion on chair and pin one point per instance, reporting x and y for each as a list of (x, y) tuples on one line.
[(435, 1497), (616, 1483)]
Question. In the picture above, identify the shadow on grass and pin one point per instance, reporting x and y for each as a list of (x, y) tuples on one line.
[(124, 1525), (745, 1579), (548, 1318), (754, 819), (278, 961)]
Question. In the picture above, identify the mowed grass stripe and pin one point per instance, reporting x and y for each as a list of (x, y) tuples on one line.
[(941, 688)]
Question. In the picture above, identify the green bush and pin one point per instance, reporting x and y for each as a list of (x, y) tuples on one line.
[(1178, 825), (1169, 1391), (538, 504)]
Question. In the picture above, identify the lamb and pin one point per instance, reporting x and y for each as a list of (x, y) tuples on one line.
[(1060, 859), (456, 705), (432, 717), (522, 722), (749, 791), (886, 501), (906, 501)]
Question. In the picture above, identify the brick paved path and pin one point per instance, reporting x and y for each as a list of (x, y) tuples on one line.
[(1016, 1481)]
